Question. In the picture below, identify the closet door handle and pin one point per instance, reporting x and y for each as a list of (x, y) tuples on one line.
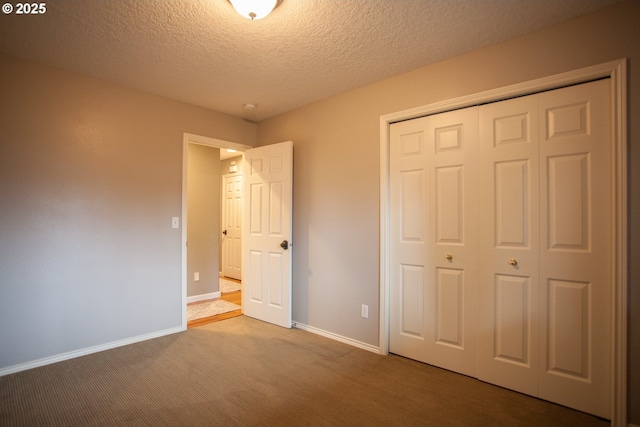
[(513, 262), (284, 245)]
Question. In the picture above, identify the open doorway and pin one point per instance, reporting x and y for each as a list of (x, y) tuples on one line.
[(205, 162)]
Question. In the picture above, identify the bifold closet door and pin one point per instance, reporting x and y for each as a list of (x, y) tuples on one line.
[(433, 263), (576, 238), (545, 298), (501, 225), (509, 244)]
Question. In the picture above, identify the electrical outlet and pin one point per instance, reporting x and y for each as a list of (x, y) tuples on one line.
[(364, 311), (196, 276)]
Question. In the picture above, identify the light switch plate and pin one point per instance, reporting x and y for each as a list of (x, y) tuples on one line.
[(364, 311), (175, 222)]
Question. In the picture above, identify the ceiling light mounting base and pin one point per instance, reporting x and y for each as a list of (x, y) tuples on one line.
[(254, 9)]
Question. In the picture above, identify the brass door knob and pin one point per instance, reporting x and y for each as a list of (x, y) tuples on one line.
[(513, 261)]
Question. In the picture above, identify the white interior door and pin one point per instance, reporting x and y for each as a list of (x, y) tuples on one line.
[(267, 233), (433, 239), (232, 226)]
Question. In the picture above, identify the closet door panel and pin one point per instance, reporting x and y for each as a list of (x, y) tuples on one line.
[(453, 281), (512, 321), (409, 236), (512, 203), (501, 229), (509, 247), (434, 268), (576, 238)]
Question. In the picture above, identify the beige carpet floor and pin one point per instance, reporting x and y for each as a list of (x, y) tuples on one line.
[(243, 372)]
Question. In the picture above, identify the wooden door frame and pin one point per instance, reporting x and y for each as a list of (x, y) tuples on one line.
[(188, 138), (617, 72)]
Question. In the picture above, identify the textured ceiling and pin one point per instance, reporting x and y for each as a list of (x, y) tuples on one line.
[(203, 53)]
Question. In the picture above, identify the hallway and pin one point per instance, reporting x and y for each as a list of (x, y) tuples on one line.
[(233, 297)]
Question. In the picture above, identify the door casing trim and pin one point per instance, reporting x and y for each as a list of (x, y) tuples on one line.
[(617, 72)]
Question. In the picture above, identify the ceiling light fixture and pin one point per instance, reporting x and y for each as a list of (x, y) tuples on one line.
[(254, 9)]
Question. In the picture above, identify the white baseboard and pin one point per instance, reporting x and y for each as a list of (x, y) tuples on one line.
[(336, 337), (85, 351), (202, 297)]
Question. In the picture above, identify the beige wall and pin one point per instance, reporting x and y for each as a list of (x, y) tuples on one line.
[(337, 171), (226, 164), (203, 211), (90, 177)]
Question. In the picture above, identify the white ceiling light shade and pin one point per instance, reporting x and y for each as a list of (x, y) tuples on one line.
[(254, 9)]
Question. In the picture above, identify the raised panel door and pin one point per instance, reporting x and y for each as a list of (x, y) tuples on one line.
[(576, 247), (433, 267), (508, 249), (267, 234), (409, 234), (232, 226), (501, 255)]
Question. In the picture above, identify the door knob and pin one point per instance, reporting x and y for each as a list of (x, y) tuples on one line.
[(449, 257), (513, 261), (224, 232), (284, 245)]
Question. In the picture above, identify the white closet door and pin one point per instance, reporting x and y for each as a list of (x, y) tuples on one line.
[(433, 265), (501, 247), (409, 235), (576, 237), (546, 293), (509, 248)]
